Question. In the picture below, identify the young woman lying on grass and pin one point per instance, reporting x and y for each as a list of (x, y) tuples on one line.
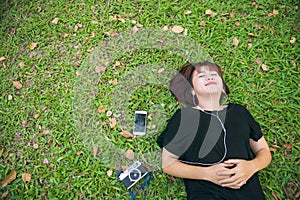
[(217, 149)]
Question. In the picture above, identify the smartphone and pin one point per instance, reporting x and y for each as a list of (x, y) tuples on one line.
[(140, 122)]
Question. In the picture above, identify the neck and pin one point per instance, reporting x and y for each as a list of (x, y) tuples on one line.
[(209, 103)]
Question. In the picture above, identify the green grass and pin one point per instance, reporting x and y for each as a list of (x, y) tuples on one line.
[(52, 76)]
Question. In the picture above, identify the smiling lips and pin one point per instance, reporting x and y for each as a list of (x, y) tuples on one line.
[(211, 83)]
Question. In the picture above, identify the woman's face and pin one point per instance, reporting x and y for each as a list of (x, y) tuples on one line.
[(207, 82)]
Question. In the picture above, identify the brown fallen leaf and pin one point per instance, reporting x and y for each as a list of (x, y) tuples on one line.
[(264, 67), (293, 40), (127, 134), (100, 69), (129, 154), (2, 58), (237, 23), (165, 28), (235, 41), (202, 23), (109, 172), (9, 178), (276, 196), (210, 13), (160, 70), (258, 60), (4, 194), (112, 122), (33, 45), (17, 84), (101, 109), (26, 177), (1, 152), (79, 153), (187, 12), (275, 12), (95, 151), (177, 29), (185, 32), (135, 28), (55, 21), (253, 35)]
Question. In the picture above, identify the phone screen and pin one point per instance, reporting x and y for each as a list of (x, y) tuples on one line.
[(140, 123)]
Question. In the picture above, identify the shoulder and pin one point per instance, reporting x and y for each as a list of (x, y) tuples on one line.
[(237, 107)]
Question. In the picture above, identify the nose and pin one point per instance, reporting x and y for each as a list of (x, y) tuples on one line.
[(209, 77)]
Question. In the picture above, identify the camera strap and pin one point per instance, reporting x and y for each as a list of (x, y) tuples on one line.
[(148, 177)]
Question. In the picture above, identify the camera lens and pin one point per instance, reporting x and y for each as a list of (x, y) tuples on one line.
[(134, 175)]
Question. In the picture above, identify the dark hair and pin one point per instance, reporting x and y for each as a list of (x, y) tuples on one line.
[(181, 84)]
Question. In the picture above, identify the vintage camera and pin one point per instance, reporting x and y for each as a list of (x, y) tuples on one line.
[(133, 174)]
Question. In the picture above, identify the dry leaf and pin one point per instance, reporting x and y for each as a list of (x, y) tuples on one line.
[(293, 40), (185, 32), (10, 177), (258, 60), (112, 122), (177, 29), (114, 82), (46, 132), (36, 116), (235, 41), (275, 12), (237, 23), (65, 35), (9, 97), (127, 134), (187, 12), (276, 196), (135, 28), (101, 109), (21, 64), (2, 58), (100, 69), (165, 28), (17, 84), (249, 45), (79, 153), (139, 25), (210, 13), (109, 172), (264, 67), (95, 151), (35, 146), (129, 154), (45, 161), (26, 177), (1, 152), (133, 21), (55, 20), (253, 35), (202, 23), (160, 70), (33, 45), (4, 194), (253, 3)]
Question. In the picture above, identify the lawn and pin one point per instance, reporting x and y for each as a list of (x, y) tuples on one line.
[(73, 73)]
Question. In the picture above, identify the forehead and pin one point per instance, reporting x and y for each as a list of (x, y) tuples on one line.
[(206, 69)]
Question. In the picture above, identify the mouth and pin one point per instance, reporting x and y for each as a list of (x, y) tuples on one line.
[(211, 83)]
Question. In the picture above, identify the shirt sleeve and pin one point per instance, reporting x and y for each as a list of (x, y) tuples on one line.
[(168, 134), (255, 130)]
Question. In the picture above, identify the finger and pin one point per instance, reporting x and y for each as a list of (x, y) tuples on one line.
[(232, 161)]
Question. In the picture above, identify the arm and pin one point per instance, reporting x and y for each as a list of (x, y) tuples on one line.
[(245, 169), (172, 166)]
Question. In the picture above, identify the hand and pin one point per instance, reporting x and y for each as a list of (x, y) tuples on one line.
[(212, 175), (241, 173)]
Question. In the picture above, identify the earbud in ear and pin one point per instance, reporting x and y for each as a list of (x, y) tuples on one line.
[(193, 92)]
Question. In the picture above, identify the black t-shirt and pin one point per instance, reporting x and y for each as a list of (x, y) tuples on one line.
[(206, 138)]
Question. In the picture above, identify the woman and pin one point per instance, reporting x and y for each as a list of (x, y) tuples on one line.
[(217, 149)]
